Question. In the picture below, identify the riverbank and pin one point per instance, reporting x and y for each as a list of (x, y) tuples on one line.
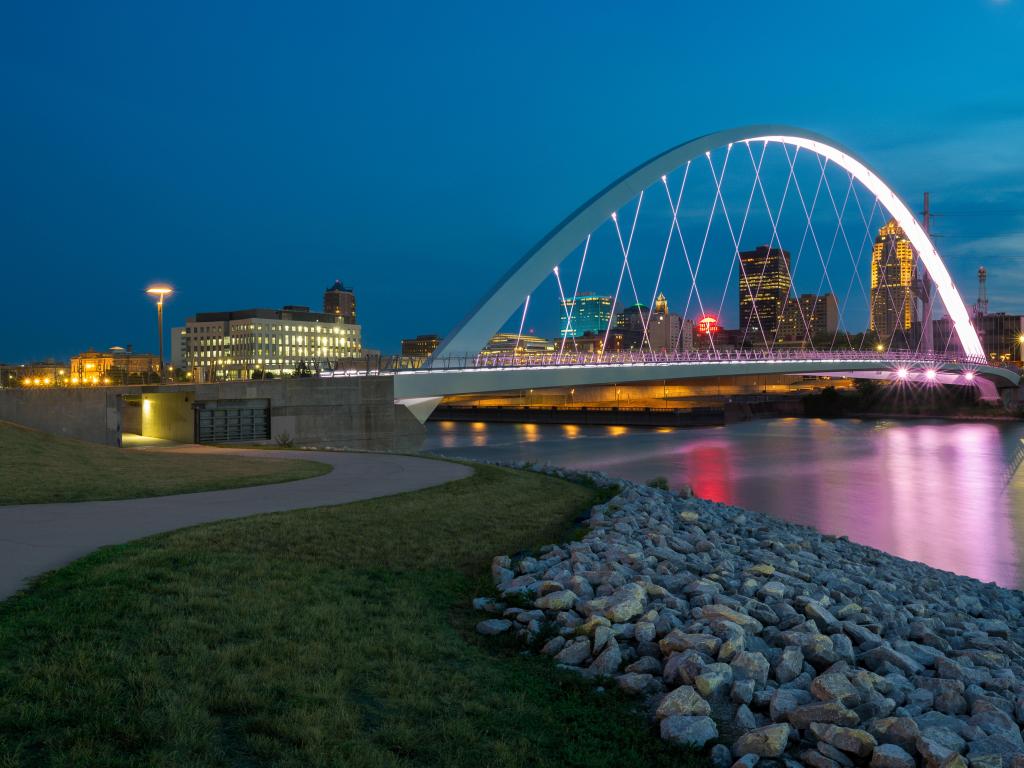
[(829, 404), (775, 640), (341, 635), (740, 409), (868, 399), (952, 417)]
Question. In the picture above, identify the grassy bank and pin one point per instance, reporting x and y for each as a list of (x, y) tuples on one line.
[(327, 637), (36, 467)]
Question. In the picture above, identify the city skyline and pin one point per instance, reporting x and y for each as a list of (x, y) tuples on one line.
[(297, 171)]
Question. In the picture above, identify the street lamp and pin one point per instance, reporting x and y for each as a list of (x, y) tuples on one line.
[(160, 291)]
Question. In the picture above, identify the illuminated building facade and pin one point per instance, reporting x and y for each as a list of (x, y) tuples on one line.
[(341, 302), (809, 318), (421, 346), (48, 373), (118, 365), (513, 343), (893, 279), (589, 314), (764, 288), (253, 343)]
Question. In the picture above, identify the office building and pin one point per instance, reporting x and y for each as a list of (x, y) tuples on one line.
[(810, 318), (42, 373), (665, 331), (764, 286), (591, 343), (893, 283), (341, 302), (586, 313), (518, 344), (1001, 335), (256, 343), (421, 346)]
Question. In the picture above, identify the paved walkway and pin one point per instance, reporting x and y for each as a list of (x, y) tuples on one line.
[(35, 538)]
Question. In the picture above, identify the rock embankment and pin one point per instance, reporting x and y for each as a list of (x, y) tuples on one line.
[(774, 642)]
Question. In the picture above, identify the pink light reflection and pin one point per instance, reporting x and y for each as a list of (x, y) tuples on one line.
[(957, 522)]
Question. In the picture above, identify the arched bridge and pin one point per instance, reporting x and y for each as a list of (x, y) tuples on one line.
[(808, 300)]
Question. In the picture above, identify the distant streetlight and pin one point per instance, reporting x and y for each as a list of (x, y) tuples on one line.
[(160, 291)]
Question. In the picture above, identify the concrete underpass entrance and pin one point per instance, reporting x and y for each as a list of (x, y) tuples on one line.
[(160, 415), (230, 421)]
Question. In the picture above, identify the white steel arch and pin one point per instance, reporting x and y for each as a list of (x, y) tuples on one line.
[(476, 329)]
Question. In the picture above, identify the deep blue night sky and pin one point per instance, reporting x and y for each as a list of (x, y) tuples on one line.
[(251, 153)]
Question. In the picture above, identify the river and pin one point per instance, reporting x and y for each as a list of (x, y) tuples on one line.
[(939, 492)]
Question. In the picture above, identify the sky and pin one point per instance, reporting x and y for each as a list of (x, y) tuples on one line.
[(251, 153)]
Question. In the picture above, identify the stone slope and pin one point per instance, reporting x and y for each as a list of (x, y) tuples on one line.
[(783, 644)]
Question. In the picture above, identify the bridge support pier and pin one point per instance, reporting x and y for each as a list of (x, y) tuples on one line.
[(420, 407)]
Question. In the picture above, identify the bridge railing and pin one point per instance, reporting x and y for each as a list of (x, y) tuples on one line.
[(387, 364)]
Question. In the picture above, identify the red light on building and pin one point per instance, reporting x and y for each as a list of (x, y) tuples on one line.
[(707, 325)]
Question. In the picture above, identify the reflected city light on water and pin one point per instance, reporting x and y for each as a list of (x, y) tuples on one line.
[(947, 494), (448, 438), (479, 433)]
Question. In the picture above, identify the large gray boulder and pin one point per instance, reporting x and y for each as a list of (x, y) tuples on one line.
[(688, 730)]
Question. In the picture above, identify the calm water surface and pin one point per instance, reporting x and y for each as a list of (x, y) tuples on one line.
[(943, 493)]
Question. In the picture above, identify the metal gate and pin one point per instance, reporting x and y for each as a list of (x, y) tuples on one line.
[(237, 421)]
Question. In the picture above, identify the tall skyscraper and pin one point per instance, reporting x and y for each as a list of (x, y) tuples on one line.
[(341, 302), (589, 313), (765, 283), (893, 279), (664, 327)]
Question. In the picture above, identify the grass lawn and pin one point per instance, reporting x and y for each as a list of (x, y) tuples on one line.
[(338, 636), (36, 467)]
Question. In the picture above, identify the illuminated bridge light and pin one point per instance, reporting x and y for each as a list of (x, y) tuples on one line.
[(929, 374), (902, 373), (969, 375)]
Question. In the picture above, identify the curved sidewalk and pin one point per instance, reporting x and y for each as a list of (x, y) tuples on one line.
[(35, 538)]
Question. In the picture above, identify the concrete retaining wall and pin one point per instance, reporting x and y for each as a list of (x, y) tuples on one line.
[(85, 414), (344, 413)]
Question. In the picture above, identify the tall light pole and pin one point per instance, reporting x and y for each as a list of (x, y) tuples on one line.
[(160, 291)]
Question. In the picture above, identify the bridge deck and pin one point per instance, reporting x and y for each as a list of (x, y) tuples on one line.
[(483, 374)]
